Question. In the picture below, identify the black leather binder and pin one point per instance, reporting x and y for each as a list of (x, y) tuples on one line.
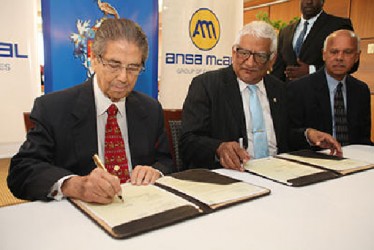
[(304, 167), (195, 193)]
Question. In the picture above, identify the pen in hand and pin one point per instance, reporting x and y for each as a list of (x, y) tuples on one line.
[(241, 142), (99, 164), (241, 146)]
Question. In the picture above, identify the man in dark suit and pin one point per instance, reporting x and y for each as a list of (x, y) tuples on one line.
[(313, 99), (70, 127), (294, 61), (218, 111)]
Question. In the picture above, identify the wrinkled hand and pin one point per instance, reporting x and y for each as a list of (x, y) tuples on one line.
[(97, 187), (144, 175), (324, 140), (231, 155), (295, 72)]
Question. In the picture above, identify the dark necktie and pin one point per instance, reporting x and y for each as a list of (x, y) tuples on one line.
[(341, 125), (260, 142), (300, 39), (115, 154)]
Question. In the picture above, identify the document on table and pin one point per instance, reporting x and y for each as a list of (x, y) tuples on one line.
[(139, 202), (339, 165), (213, 194), (280, 170)]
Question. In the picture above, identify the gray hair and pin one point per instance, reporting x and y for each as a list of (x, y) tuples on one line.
[(259, 29), (350, 33), (120, 29)]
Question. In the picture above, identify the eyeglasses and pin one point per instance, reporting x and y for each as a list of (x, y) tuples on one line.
[(259, 57), (116, 67)]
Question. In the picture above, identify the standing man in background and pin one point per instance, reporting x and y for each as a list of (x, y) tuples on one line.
[(300, 43), (102, 115), (331, 100), (240, 103)]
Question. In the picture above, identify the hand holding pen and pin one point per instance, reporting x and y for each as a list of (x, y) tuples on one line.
[(100, 165), (232, 155), (97, 187)]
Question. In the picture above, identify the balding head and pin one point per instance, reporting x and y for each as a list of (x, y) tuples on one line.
[(343, 33), (341, 51)]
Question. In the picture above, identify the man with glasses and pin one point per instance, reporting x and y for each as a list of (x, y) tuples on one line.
[(102, 116), (237, 113)]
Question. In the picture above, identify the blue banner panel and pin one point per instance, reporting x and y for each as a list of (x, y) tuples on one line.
[(68, 29)]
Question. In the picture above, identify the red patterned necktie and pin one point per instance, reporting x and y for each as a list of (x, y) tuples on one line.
[(115, 154)]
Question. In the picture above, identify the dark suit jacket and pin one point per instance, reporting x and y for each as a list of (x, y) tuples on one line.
[(65, 139), (213, 113), (309, 107), (311, 50)]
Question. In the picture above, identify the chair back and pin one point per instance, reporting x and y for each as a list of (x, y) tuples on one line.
[(173, 125), (28, 123)]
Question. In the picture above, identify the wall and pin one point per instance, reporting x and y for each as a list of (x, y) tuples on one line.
[(291, 8), (360, 12), (363, 22)]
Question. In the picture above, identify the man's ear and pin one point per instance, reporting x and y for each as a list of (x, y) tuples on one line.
[(94, 61), (358, 56), (323, 55), (272, 60)]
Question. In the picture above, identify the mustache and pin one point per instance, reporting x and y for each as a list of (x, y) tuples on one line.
[(118, 82), (250, 68), (338, 64)]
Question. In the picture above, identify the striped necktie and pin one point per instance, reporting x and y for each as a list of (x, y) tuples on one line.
[(341, 124), (300, 39)]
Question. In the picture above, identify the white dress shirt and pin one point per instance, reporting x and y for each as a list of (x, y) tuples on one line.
[(299, 28)]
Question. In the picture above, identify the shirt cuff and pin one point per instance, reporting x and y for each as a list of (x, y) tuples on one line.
[(312, 69), (56, 192), (306, 137), (161, 174)]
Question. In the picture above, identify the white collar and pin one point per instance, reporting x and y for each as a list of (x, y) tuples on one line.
[(243, 86), (102, 102), (311, 21)]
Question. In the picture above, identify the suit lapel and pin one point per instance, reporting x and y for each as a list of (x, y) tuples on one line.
[(313, 33), (274, 99), (231, 94), (272, 94), (136, 114), (351, 103), (83, 123), (322, 94), (290, 37)]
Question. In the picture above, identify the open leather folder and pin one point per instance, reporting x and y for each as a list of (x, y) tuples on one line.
[(172, 199), (304, 167)]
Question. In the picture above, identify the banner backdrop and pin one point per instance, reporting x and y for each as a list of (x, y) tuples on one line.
[(69, 27), (19, 67), (197, 36)]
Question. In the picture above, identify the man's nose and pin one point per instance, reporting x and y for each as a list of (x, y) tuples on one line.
[(250, 60), (122, 75), (340, 55)]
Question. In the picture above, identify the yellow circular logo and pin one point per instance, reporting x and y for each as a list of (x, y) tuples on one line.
[(204, 29)]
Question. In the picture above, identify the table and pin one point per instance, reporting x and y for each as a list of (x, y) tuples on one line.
[(336, 214)]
